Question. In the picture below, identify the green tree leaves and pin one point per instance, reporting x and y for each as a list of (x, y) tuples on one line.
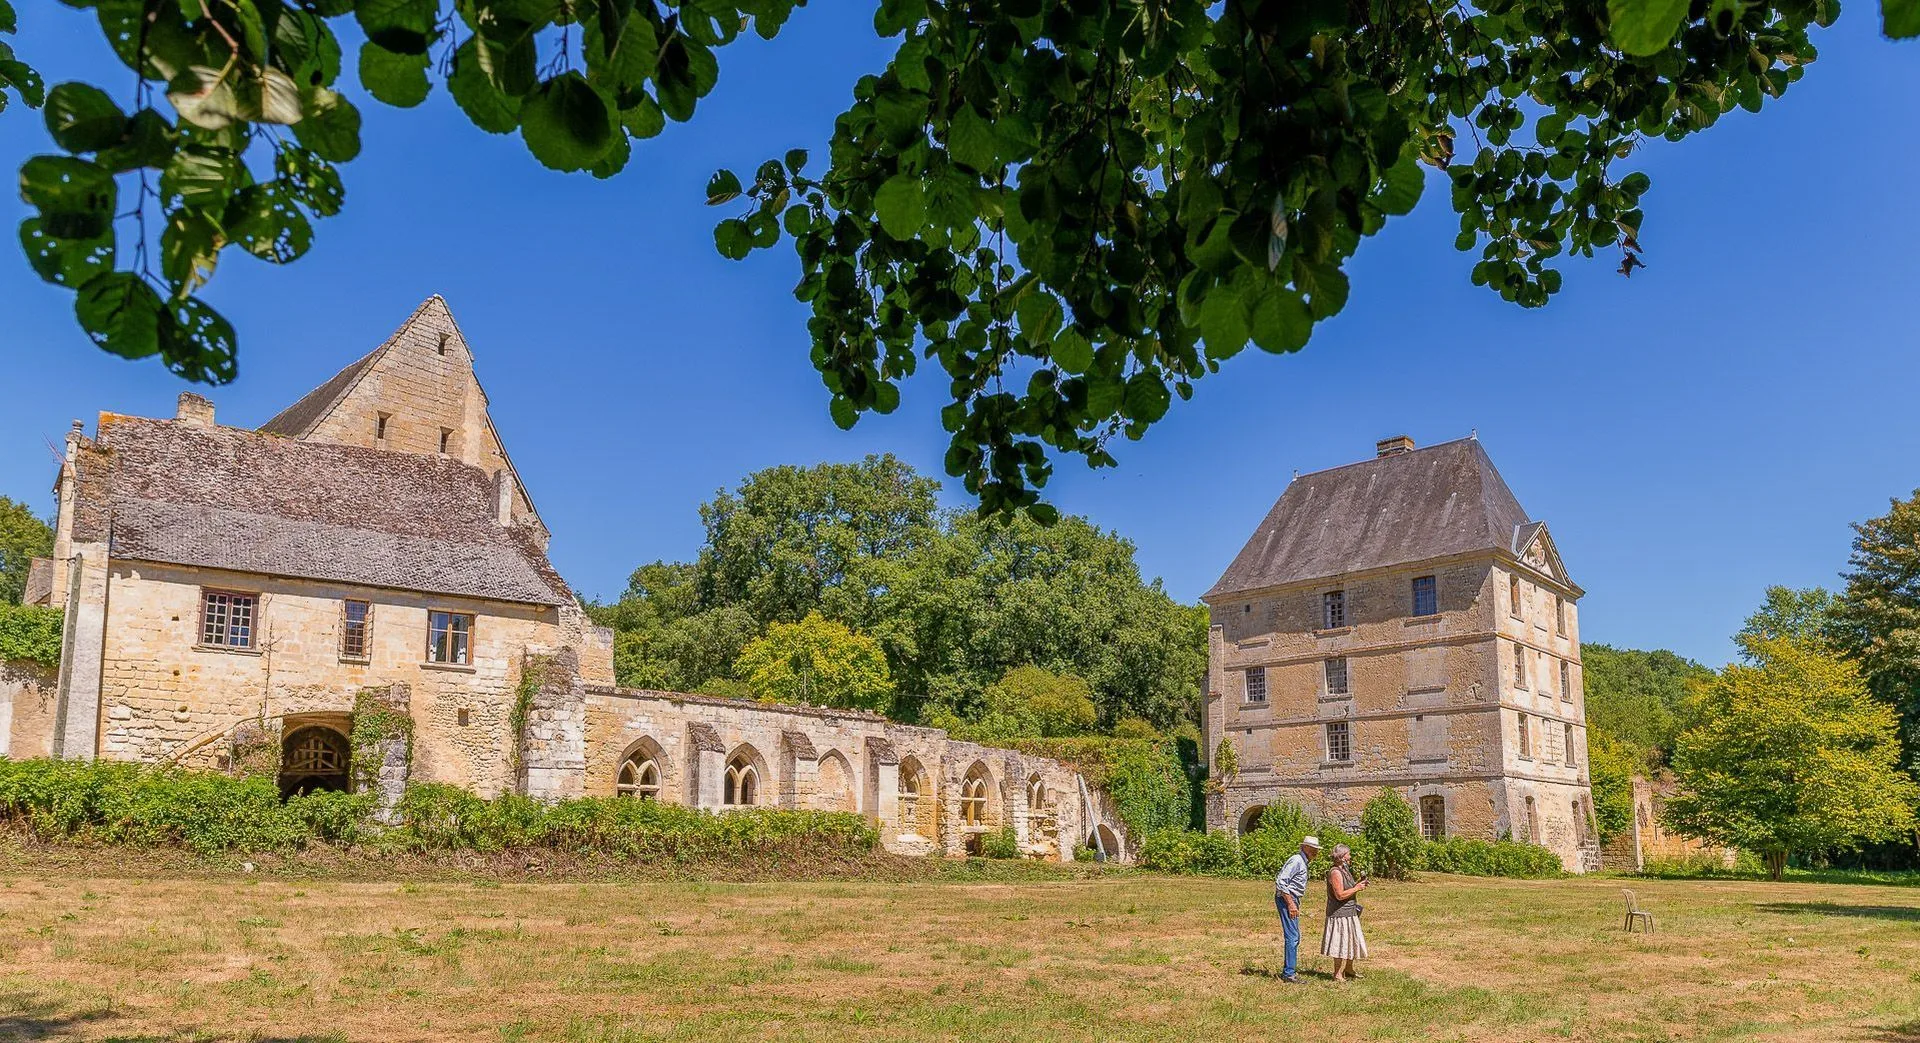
[(901, 205), (397, 79), (566, 123), (1644, 27), (81, 118), (1900, 19)]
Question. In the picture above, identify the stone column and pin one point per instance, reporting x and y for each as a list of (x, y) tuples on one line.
[(706, 766), (82, 656), (553, 729)]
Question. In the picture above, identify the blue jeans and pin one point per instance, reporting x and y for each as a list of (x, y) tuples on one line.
[(1290, 927)]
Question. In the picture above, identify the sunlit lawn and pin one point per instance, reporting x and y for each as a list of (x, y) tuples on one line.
[(1119, 957)]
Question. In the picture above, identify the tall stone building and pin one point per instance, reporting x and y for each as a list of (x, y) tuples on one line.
[(1401, 622), (245, 600)]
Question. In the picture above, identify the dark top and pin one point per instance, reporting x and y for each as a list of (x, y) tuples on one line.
[(1337, 907)]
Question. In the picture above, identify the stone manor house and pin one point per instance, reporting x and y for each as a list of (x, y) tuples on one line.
[(1401, 622), (230, 590)]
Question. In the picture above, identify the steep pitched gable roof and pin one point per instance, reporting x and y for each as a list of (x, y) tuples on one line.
[(220, 497), (299, 420), (1435, 502)]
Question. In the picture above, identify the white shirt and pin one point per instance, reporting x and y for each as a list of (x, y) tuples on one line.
[(1293, 877)]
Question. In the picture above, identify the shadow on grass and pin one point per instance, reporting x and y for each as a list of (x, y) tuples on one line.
[(1873, 912), (35, 1021), (1907, 1033)]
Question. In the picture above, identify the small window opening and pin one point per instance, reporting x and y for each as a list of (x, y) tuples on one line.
[(444, 337), (446, 438), (380, 425), (1333, 606), (1337, 676), (1256, 684), (1339, 741), (1433, 817), (1426, 596), (464, 716)]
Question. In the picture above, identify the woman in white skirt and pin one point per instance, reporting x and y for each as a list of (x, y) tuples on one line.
[(1343, 940)]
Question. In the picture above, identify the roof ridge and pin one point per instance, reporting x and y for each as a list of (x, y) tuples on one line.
[(354, 372), (1376, 459)]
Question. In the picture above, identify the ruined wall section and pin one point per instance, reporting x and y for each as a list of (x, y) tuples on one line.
[(28, 707), (909, 781)]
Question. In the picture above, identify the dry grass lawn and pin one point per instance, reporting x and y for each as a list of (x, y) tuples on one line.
[(1122, 956)]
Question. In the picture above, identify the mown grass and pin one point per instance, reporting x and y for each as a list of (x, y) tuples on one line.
[(231, 956)]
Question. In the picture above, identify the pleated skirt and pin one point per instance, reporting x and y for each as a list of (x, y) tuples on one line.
[(1343, 939)]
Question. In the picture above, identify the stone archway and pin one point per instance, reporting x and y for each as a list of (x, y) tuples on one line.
[(315, 757), (1250, 818), (747, 781), (919, 806), (833, 783), (1104, 839)]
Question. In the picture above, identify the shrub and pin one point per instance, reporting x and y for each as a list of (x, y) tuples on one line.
[(1474, 857), (1185, 851), (30, 633), (1000, 844), (1392, 834), (338, 818)]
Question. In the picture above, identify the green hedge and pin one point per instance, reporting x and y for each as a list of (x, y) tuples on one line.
[(94, 802), (1263, 851), (30, 633)]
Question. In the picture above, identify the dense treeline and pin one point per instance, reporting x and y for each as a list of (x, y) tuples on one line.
[(805, 567)]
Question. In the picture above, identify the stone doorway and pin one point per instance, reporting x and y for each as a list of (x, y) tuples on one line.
[(315, 757)]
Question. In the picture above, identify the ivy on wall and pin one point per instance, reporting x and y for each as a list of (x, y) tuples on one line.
[(29, 633), (376, 720)]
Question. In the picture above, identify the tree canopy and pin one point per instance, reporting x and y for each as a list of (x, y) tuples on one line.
[(1635, 698), (23, 537), (1788, 753), (1877, 617), (958, 604), (819, 662), (1077, 208)]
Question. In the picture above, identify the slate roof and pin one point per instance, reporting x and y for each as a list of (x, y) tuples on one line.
[(1435, 502), (222, 497)]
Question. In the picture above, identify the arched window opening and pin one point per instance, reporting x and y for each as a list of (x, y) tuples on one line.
[(639, 778), (1036, 794), (314, 758), (743, 781), (1250, 818), (918, 809), (973, 800)]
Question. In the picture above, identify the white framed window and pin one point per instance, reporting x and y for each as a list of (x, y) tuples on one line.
[(449, 637), (1339, 741), (1256, 682), (1333, 609), (227, 618), (1336, 670), (1433, 817)]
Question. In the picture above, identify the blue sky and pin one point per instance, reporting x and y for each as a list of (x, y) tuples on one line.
[(1691, 435)]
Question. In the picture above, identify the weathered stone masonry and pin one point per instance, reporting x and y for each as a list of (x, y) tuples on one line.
[(250, 600)]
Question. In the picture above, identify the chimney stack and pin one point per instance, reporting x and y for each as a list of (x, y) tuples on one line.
[(1393, 446), (194, 410), (503, 496)]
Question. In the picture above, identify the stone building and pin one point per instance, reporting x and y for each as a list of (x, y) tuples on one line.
[(1401, 622), (243, 599)]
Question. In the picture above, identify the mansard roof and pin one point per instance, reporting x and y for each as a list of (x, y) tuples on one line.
[(181, 493), (1397, 509)]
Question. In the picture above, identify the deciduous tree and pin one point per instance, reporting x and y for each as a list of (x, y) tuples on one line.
[(1635, 697), (1877, 617), (1789, 753), (23, 537), (817, 661), (1077, 208)]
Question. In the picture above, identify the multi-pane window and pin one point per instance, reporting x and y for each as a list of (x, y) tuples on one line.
[(1333, 609), (1566, 680), (226, 618), (1426, 596), (449, 637), (1337, 676), (1572, 760), (1514, 606), (1519, 667), (1256, 684), (1433, 817), (1339, 741), (354, 616), (1526, 739)]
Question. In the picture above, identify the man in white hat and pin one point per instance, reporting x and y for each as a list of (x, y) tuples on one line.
[(1288, 889)]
